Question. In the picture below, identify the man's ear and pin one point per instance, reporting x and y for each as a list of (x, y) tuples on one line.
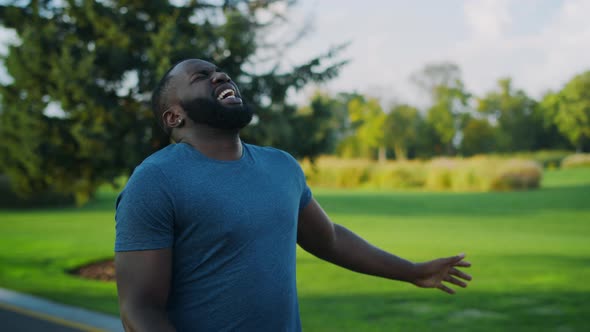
[(173, 117)]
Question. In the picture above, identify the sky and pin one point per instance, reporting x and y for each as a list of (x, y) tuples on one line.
[(541, 44)]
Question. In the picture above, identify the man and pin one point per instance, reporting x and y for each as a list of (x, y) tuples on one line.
[(206, 229)]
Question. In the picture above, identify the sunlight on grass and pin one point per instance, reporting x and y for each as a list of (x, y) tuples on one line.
[(529, 251)]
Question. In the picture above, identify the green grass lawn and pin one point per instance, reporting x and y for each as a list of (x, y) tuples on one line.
[(530, 253)]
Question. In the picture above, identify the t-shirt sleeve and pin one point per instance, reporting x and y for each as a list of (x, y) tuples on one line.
[(305, 196), (305, 191), (144, 218)]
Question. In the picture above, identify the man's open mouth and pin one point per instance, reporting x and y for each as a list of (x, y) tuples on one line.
[(227, 93)]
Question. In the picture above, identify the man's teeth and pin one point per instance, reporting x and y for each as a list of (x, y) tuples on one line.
[(226, 93)]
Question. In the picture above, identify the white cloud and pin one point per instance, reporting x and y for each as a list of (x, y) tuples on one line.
[(487, 18), (538, 61)]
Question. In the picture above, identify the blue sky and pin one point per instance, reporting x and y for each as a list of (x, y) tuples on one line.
[(539, 43)]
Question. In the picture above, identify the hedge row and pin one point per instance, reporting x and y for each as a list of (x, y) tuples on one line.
[(550, 159), (576, 160), (443, 174)]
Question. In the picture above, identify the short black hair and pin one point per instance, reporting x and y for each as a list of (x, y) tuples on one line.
[(160, 100)]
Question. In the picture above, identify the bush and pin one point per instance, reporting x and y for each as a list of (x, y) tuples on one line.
[(443, 174), (440, 174), (43, 199), (399, 175), (576, 160), (517, 174), (337, 173), (549, 159)]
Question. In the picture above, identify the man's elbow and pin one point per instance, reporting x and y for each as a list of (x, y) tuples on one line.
[(137, 316)]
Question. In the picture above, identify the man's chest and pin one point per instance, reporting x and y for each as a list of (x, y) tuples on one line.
[(237, 205)]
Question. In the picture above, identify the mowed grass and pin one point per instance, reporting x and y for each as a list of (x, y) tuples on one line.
[(530, 253)]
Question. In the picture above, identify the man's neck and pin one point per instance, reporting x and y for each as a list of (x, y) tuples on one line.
[(214, 143)]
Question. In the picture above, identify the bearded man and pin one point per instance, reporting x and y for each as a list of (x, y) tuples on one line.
[(207, 228)]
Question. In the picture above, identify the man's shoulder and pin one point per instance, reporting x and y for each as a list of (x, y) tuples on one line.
[(269, 151), (164, 157)]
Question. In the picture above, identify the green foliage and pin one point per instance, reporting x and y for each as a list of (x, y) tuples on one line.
[(401, 127), (479, 136), (318, 127), (576, 160), (96, 62), (570, 109), (367, 121), (449, 99), (514, 112), (45, 198)]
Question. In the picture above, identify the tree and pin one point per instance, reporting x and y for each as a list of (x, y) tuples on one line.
[(97, 62), (570, 109), (479, 136), (446, 114), (434, 75), (449, 100), (320, 126), (401, 129), (514, 112), (367, 120)]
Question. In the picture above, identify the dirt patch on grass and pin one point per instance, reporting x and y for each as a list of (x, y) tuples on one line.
[(103, 270)]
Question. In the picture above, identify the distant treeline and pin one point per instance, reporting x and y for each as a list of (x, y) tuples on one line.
[(456, 122)]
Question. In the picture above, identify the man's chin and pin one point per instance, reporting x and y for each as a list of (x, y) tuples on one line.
[(227, 116)]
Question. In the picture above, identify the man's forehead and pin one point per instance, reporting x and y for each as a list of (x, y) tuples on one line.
[(191, 65)]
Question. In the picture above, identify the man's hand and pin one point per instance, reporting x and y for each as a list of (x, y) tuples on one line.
[(431, 274)]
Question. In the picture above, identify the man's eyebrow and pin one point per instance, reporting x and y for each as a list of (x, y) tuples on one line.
[(206, 70)]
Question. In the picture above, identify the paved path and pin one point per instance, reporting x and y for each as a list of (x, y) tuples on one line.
[(25, 313)]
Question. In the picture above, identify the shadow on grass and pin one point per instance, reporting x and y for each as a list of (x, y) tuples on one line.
[(466, 311), (456, 204), (354, 202)]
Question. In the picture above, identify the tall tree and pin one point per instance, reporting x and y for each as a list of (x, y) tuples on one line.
[(401, 127), (479, 136), (570, 109), (319, 126), (514, 112), (97, 62), (449, 100), (434, 75), (368, 119), (446, 114)]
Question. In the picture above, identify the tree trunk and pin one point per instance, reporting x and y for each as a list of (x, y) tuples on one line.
[(400, 152), (382, 155)]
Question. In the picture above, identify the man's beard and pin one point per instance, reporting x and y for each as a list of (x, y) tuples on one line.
[(214, 114)]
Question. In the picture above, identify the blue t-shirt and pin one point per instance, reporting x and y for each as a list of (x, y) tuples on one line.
[(232, 226)]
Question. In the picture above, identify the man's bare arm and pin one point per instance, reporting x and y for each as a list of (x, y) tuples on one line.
[(143, 284), (336, 244)]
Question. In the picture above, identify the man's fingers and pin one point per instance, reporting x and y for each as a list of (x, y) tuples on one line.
[(455, 260), (459, 274), (463, 264), (455, 281), (445, 289)]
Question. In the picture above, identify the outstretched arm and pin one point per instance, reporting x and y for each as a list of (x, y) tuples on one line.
[(334, 243)]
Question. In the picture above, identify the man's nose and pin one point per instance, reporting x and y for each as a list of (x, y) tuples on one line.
[(220, 77)]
